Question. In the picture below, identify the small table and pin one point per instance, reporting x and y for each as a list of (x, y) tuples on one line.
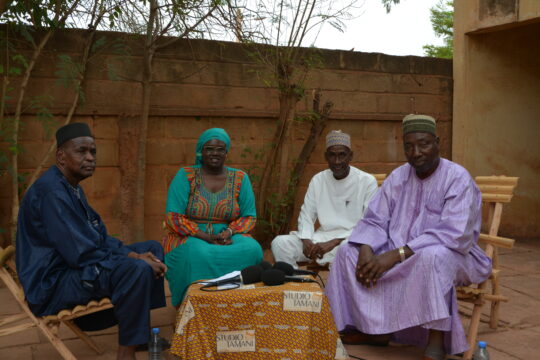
[(291, 321)]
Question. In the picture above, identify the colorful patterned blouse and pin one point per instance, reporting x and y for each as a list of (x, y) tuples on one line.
[(191, 206)]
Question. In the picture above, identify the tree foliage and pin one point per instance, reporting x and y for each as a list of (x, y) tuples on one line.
[(290, 27), (389, 3), (442, 21)]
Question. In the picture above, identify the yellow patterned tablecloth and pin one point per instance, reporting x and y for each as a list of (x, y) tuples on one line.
[(291, 321)]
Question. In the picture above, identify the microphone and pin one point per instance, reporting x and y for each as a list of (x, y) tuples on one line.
[(273, 277), (251, 274), (288, 269)]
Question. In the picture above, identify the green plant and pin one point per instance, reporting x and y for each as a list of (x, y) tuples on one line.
[(275, 34), (31, 24), (442, 21), (279, 203)]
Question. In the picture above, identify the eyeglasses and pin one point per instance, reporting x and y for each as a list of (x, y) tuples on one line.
[(215, 150)]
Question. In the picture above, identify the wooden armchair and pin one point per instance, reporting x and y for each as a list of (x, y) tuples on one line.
[(49, 325), (380, 178), (496, 190)]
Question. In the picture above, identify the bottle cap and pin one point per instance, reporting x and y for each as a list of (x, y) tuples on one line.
[(482, 344), (155, 330)]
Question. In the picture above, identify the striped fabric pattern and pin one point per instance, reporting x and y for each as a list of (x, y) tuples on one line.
[(419, 123), (438, 218)]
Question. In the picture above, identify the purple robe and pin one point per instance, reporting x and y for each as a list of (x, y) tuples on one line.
[(439, 219)]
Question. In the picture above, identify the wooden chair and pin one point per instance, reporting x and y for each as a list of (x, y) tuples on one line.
[(380, 178), (315, 266), (49, 325), (496, 190)]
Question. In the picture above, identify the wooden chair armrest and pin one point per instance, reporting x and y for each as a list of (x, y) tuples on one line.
[(6, 254), (497, 241)]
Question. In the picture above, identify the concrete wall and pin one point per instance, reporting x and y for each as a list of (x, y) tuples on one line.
[(496, 107), (202, 84)]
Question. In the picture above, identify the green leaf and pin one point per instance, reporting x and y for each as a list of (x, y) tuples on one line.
[(442, 22), (99, 43), (20, 59), (112, 74), (24, 30), (389, 3), (14, 71)]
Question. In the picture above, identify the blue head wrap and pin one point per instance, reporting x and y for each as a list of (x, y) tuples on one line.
[(210, 134)]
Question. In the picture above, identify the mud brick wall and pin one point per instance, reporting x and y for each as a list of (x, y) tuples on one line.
[(201, 84)]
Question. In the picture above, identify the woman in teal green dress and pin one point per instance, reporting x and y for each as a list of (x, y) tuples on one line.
[(210, 212)]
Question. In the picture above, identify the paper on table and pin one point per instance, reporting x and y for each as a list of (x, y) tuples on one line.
[(228, 286), (226, 276)]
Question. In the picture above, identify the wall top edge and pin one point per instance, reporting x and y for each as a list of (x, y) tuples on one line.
[(69, 40), (502, 27)]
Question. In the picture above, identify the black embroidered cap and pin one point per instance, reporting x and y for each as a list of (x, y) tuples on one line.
[(72, 131)]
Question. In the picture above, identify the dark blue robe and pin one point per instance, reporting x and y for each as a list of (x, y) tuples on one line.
[(66, 258)]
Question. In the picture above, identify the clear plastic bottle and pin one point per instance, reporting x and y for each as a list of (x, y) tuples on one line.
[(155, 346), (481, 352)]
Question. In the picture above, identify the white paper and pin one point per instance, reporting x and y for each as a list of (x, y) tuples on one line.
[(226, 276), (228, 286)]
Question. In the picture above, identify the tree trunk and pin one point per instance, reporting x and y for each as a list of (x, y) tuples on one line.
[(74, 104), (149, 51), (128, 152), (138, 219), (287, 105), (318, 123), (15, 136)]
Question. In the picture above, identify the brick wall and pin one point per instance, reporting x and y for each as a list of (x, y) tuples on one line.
[(202, 84)]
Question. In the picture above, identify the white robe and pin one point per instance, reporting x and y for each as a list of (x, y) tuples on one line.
[(338, 205)]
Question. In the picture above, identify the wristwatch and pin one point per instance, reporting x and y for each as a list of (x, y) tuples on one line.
[(402, 254)]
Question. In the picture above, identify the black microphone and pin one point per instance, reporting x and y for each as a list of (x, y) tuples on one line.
[(249, 275), (288, 269), (273, 277)]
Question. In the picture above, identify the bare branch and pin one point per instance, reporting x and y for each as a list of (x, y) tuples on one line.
[(188, 30)]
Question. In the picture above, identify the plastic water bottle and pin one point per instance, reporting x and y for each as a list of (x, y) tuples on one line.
[(481, 352), (154, 346)]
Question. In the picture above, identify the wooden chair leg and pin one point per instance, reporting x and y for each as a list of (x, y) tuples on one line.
[(42, 325), (12, 318), (475, 323), (473, 330), (54, 327), (495, 304), (83, 336), (55, 341), (17, 328)]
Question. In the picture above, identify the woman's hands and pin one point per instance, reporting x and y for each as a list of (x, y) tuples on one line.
[(223, 238), (370, 267)]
